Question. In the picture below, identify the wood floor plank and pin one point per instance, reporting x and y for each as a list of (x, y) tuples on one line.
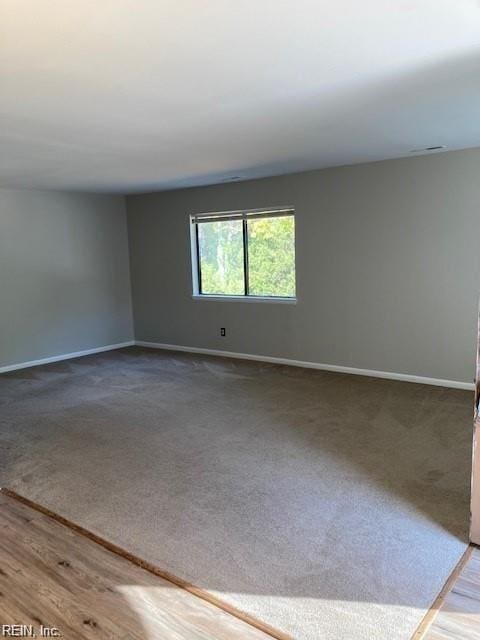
[(52, 575), (458, 617)]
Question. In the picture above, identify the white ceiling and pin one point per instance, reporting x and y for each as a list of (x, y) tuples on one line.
[(137, 95)]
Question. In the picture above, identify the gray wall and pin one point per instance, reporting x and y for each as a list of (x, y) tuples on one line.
[(64, 274), (388, 267)]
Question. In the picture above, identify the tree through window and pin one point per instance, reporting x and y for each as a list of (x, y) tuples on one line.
[(249, 253)]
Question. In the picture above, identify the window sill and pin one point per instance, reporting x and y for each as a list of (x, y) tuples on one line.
[(262, 299)]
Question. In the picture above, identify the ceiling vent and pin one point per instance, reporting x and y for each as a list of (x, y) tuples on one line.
[(435, 148), (231, 178)]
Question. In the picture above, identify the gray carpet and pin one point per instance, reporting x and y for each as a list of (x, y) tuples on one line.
[(330, 506)]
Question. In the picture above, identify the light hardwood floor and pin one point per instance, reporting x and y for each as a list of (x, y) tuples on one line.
[(55, 576), (459, 615)]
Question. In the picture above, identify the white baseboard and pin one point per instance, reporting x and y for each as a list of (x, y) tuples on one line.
[(65, 356), (455, 384), (404, 377)]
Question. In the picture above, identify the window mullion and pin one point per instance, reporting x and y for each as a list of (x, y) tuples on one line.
[(199, 266), (245, 257)]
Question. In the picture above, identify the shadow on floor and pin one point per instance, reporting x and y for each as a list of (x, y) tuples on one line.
[(273, 487)]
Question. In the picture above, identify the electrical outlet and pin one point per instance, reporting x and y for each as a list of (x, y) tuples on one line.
[(223, 333)]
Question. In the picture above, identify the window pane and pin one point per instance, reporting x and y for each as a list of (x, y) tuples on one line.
[(271, 256), (221, 257)]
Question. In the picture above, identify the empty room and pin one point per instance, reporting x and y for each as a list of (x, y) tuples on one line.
[(239, 302)]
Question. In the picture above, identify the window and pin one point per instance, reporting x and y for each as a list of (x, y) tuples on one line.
[(244, 254)]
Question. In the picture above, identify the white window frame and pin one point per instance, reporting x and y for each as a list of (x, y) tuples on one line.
[(249, 214)]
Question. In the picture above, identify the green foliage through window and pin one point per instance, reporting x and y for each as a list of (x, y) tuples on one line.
[(265, 245), (221, 257), (271, 256)]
